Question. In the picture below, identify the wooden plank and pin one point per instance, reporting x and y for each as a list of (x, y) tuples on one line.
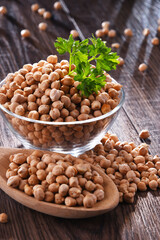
[(141, 109)]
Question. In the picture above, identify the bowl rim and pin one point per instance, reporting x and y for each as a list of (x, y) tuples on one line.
[(69, 123)]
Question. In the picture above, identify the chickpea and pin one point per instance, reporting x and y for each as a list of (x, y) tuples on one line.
[(105, 24), (70, 202), (90, 186), (47, 15), (76, 98), (153, 185), (33, 115), (73, 182), (62, 179), (96, 105), (121, 61), (13, 166), (3, 98), (49, 196), (98, 179), (3, 216), (53, 187), (57, 6), (82, 168), (83, 116), (115, 45), (105, 163), (20, 110), (25, 33), (33, 180), (124, 168), (66, 101), (99, 193), (19, 158), (74, 33), (82, 181), (88, 201), (142, 186), (142, 67), (111, 33), (39, 194), (63, 189), (13, 181), (3, 10), (55, 94), (128, 32), (35, 7), (42, 26), (23, 172), (129, 197), (99, 33), (22, 183), (146, 32), (59, 199), (58, 170), (41, 174), (28, 190), (74, 192), (41, 11), (144, 134), (155, 41), (139, 159)]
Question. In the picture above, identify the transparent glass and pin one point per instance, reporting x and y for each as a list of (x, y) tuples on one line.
[(63, 137)]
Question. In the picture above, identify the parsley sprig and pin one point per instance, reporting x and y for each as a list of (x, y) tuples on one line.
[(82, 53)]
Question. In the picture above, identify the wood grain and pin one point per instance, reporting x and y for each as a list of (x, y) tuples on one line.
[(141, 110)]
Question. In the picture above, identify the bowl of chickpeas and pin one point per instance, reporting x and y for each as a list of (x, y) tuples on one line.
[(42, 106)]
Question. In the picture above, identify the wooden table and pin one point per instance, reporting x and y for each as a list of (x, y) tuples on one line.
[(141, 109)]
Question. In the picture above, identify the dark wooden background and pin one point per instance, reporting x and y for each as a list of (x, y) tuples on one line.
[(141, 109)]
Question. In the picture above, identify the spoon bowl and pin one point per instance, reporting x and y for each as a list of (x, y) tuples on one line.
[(109, 202)]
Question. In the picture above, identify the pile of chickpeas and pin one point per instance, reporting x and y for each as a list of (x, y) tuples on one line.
[(43, 91), (131, 168), (55, 178)]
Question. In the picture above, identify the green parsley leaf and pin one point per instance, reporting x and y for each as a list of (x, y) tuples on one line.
[(82, 54)]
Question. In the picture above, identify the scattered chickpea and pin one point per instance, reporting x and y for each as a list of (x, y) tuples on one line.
[(25, 33), (115, 45), (42, 26), (128, 32), (105, 24), (155, 41), (35, 7), (142, 67), (3, 218), (146, 32), (141, 186), (3, 10), (153, 185), (41, 11), (144, 134), (111, 33), (74, 33), (121, 61), (99, 33), (57, 5), (47, 15)]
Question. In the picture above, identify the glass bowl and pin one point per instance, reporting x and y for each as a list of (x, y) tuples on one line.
[(63, 137)]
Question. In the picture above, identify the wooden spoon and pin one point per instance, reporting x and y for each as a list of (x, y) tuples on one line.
[(107, 204)]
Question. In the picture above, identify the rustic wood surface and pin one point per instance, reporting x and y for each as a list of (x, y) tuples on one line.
[(141, 109)]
